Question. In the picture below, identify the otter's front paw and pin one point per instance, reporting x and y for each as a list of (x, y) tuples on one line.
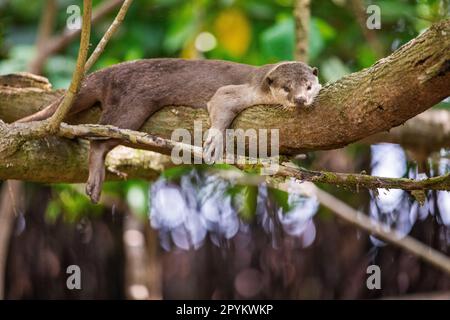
[(213, 147)]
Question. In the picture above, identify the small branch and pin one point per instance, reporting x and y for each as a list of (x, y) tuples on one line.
[(44, 33), (64, 107), (57, 160), (59, 43), (378, 229), (302, 17), (82, 66), (356, 181), (108, 35), (348, 214), (144, 140)]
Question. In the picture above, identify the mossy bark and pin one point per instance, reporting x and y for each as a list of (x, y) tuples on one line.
[(396, 88)]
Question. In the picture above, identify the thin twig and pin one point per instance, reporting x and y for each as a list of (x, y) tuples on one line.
[(55, 120), (44, 33), (348, 214), (60, 42), (108, 35), (383, 231), (82, 66), (355, 181)]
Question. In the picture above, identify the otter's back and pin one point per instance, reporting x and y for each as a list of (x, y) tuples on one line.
[(175, 81)]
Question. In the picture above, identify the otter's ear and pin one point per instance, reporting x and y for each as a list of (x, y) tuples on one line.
[(315, 71), (267, 82)]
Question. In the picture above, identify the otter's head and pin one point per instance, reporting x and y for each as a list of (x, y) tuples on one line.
[(293, 84)]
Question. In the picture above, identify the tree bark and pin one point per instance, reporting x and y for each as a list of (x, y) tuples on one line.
[(396, 88), (57, 160)]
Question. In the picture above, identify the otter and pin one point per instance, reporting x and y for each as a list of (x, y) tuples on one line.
[(130, 92)]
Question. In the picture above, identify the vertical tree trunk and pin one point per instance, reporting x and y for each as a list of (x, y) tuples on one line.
[(302, 17)]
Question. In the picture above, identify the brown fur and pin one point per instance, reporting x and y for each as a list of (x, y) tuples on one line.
[(131, 92)]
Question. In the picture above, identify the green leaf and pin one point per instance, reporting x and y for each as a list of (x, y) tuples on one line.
[(53, 211), (245, 200), (176, 172), (366, 56), (277, 42), (333, 69), (183, 26), (320, 32), (281, 198)]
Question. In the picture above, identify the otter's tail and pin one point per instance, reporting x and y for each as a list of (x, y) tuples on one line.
[(86, 98), (43, 114)]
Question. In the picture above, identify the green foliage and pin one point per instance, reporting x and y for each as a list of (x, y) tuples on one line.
[(245, 200), (176, 172), (70, 204), (281, 198), (278, 41)]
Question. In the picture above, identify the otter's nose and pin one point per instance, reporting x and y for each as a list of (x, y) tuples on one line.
[(300, 100)]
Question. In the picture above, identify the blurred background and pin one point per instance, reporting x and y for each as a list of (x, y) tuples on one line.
[(191, 234)]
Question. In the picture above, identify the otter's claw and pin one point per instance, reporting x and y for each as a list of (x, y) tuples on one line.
[(94, 186), (212, 148), (93, 191)]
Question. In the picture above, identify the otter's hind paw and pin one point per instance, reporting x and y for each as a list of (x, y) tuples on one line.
[(94, 189), (213, 148)]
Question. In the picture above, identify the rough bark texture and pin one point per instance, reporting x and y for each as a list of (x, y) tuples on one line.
[(56, 160), (396, 88)]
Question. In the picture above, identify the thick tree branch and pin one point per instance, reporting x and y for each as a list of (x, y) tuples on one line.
[(57, 160), (396, 88), (144, 140)]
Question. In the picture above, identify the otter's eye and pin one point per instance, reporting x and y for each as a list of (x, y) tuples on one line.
[(286, 88), (309, 87)]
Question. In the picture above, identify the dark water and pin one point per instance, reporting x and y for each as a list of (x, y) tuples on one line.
[(202, 205), (222, 243)]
